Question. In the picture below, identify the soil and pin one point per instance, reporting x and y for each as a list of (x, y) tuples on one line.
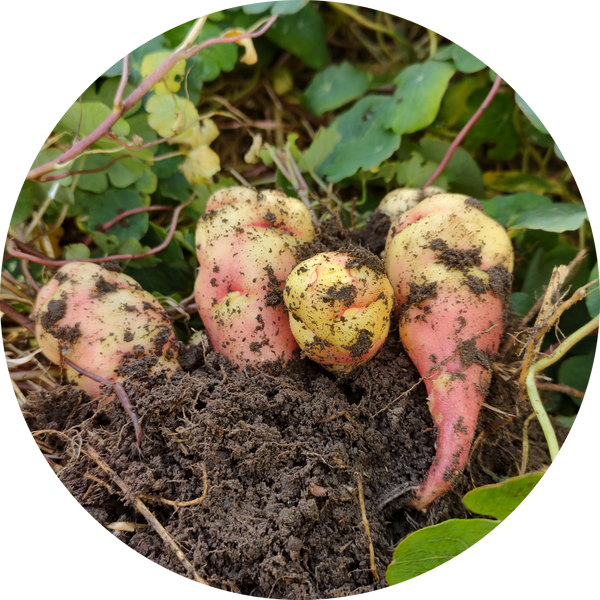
[(258, 474)]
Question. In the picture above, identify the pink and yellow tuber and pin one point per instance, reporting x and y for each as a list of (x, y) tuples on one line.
[(339, 307), (247, 244), (99, 319), (450, 267)]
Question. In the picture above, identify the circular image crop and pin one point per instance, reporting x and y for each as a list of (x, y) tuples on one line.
[(299, 299)]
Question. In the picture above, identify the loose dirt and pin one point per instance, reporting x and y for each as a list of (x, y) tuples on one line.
[(259, 475)]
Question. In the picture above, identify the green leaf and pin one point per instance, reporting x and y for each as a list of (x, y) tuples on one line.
[(521, 302), (51, 154), (335, 86), (257, 8), (112, 204), (76, 252), (507, 208), (464, 173), (575, 372), (365, 142), (126, 172), (133, 246), (172, 276), (495, 126), (592, 300), (465, 62), (210, 62), (321, 147), (107, 242), (557, 218), (503, 500), (93, 182), (413, 173), (24, 205), (517, 181), (454, 103), (535, 121), (418, 96), (287, 7), (303, 35), (558, 153), (83, 118), (175, 187), (432, 546)]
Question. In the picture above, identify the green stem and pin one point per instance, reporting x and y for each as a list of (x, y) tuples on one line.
[(542, 364)]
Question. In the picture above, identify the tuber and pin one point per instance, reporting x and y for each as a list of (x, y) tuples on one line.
[(339, 307), (99, 319), (402, 199), (247, 244), (450, 266)]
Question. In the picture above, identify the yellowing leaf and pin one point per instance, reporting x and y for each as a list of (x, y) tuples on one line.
[(171, 115), (201, 164), (204, 133), (171, 82), (250, 57)]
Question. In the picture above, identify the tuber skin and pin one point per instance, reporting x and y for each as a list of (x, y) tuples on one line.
[(99, 319), (450, 266), (339, 307), (400, 200), (247, 243)]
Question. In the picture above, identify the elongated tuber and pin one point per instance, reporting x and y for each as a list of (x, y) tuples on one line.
[(247, 244), (339, 307), (450, 266), (99, 319)]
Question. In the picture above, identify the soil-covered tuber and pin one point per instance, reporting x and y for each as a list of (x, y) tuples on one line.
[(247, 244), (339, 307), (100, 319), (450, 266)]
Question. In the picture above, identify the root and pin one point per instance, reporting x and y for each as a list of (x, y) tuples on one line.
[(147, 514), (365, 522)]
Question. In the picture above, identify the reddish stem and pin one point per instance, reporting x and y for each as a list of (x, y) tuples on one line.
[(38, 258), (463, 132), (137, 94), (119, 391), (16, 316), (124, 215), (84, 172)]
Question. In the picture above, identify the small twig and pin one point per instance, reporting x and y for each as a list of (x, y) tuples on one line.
[(16, 316), (365, 522), (145, 511), (410, 389), (463, 132)]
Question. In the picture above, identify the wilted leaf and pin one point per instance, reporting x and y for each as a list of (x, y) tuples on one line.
[(516, 181), (201, 164)]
